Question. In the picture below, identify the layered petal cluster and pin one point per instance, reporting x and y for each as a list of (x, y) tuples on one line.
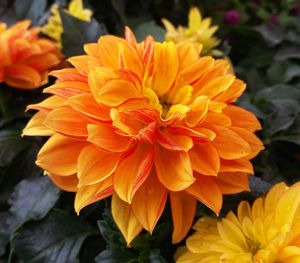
[(198, 31), (145, 122), (54, 28), (267, 232), (25, 58)]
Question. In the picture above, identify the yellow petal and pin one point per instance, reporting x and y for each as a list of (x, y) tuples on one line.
[(125, 219)]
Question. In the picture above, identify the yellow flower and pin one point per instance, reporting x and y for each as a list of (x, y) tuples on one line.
[(54, 27), (268, 232), (198, 31)]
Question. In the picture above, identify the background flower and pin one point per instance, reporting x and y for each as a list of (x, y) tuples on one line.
[(143, 122), (25, 58), (54, 28), (266, 232), (198, 31)]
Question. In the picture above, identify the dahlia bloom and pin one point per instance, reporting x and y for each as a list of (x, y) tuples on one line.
[(54, 28), (198, 31), (24, 57), (267, 232), (143, 122)]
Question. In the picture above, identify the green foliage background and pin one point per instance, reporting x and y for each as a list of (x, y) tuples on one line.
[(37, 220)]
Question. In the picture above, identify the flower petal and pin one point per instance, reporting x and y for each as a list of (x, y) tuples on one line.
[(149, 201), (183, 207), (35, 126), (232, 182), (133, 171), (67, 121), (95, 165), (66, 183), (205, 190), (173, 168), (205, 159), (55, 157), (104, 135), (125, 219), (89, 194)]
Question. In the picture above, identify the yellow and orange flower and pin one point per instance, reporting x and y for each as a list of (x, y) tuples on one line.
[(24, 57), (198, 31), (266, 233), (144, 122)]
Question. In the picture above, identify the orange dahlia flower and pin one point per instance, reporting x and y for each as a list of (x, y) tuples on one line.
[(143, 122), (24, 57)]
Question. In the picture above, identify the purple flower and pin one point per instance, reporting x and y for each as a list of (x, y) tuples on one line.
[(274, 19), (232, 17)]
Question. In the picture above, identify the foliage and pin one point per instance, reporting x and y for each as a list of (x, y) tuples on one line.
[(37, 221)]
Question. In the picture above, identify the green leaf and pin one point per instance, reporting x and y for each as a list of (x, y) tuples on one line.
[(4, 233), (11, 145), (57, 238), (272, 33), (115, 254), (77, 33), (149, 28), (290, 52), (32, 200), (258, 186), (292, 72), (288, 138), (279, 92), (31, 9), (156, 257)]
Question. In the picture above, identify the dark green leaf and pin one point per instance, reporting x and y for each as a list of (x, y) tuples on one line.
[(292, 72), (57, 238), (11, 145), (258, 186), (32, 9), (78, 32), (115, 255), (32, 199), (156, 257), (288, 53), (272, 33), (4, 232), (149, 28), (288, 138)]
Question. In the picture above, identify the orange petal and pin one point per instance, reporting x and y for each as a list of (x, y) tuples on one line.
[(81, 63), (183, 207), (255, 143), (117, 53), (67, 121), (68, 74), (198, 110), (116, 92), (233, 92), (67, 89), (95, 165), (35, 126), (133, 171), (207, 192), (193, 71), (104, 135), (205, 159), (239, 165), (173, 168), (217, 118), (230, 145), (174, 142), (55, 157), (89, 194), (242, 118), (91, 49), (86, 104), (47, 104), (22, 76), (187, 53), (232, 182), (129, 36), (66, 183), (42, 62), (149, 201), (125, 219)]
